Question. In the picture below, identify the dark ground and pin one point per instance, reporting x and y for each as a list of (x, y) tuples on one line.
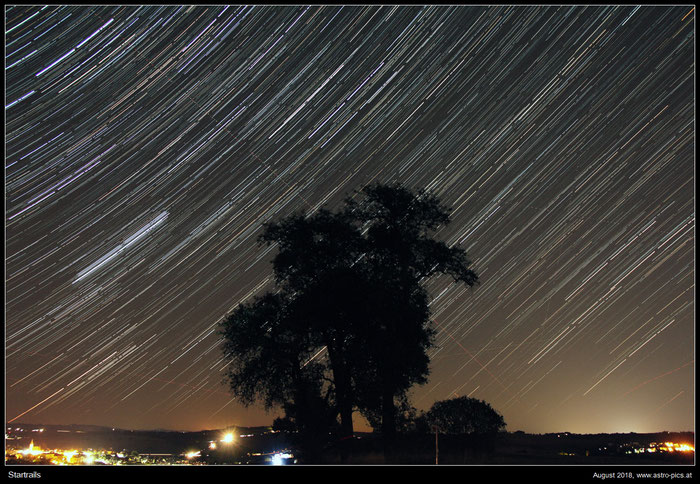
[(504, 449)]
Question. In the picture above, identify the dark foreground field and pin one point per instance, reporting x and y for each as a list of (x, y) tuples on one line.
[(524, 449)]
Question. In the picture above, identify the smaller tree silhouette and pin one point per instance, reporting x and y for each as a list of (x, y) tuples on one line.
[(463, 415)]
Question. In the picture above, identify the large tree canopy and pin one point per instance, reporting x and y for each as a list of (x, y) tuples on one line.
[(350, 323)]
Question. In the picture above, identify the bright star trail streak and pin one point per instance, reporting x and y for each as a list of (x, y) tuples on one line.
[(147, 145)]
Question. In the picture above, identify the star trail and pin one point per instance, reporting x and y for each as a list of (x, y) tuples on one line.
[(145, 147)]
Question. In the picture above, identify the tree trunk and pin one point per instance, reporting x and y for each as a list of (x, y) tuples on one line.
[(344, 401), (388, 424)]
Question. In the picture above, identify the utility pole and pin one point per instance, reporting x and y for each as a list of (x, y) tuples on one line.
[(436, 444)]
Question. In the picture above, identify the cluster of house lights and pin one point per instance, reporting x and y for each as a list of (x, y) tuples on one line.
[(665, 447)]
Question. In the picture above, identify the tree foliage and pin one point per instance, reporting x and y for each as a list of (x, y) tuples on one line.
[(463, 415), (268, 351)]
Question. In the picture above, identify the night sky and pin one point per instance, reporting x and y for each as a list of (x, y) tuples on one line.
[(146, 146)]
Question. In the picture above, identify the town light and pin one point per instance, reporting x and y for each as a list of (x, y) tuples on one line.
[(228, 438), (31, 450), (69, 455), (672, 447), (278, 459), (89, 457)]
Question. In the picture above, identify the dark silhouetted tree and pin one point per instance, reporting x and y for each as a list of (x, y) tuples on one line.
[(351, 283), (463, 415)]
